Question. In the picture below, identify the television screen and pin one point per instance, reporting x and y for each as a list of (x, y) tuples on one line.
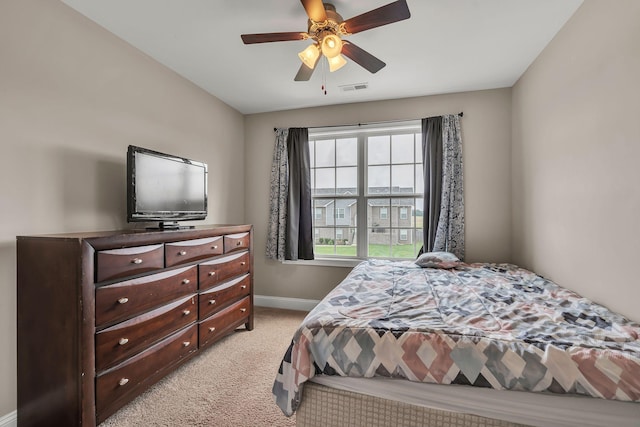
[(163, 187)]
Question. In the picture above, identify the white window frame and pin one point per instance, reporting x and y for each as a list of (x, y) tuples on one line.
[(384, 212), (404, 234), (316, 211), (404, 213), (362, 132), (340, 212)]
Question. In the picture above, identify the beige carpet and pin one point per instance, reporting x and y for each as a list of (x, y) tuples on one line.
[(228, 384)]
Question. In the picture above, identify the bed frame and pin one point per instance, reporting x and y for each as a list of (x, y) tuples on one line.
[(323, 406)]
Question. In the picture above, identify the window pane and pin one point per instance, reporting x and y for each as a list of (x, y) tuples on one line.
[(324, 241), (325, 152), (418, 241), (418, 140), (347, 152), (378, 214), (403, 244), (402, 179), (379, 243), (345, 212), (347, 180), (325, 181), (419, 179), (346, 244), (378, 179), (399, 206), (320, 212), (378, 150), (418, 215), (312, 154), (402, 148)]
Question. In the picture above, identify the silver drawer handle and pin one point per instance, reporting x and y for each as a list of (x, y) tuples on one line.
[(212, 273), (186, 312), (182, 253), (242, 310), (214, 247), (123, 341), (211, 329), (186, 343), (243, 263), (136, 261), (123, 381), (123, 300), (243, 287), (212, 301), (186, 281)]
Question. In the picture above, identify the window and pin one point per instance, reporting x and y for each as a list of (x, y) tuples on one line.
[(318, 213), (367, 181)]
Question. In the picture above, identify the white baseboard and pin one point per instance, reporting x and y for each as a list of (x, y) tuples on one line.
[(9, 420), (283, 302)]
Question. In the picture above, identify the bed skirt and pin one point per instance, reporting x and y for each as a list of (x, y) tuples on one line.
[(323, 406)]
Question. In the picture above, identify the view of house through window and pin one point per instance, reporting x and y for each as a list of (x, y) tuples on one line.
[(367, 189)]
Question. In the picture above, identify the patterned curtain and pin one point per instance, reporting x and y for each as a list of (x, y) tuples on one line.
[(450, 231), (279, 196)]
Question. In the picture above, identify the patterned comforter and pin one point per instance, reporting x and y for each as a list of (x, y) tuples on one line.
[(488, 325)]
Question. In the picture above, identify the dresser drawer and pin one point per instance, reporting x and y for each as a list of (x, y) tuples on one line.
[(236, 242), (224, 321), (191, 250), (125, 339), (125, 379), (117, 263), (221, 269), (220, 296), (123, 300)]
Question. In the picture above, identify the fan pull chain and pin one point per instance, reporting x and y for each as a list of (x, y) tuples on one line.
[(324, 79)]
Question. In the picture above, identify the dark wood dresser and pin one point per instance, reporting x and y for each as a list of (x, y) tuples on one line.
[(103, 316)]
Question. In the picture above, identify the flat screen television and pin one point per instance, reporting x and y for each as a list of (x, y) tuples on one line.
[(165, 188)]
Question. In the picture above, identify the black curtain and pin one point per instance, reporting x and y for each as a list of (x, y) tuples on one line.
[(299, 236), (432, 167)]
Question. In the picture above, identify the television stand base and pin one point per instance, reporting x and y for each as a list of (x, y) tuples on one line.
[(170, 225)]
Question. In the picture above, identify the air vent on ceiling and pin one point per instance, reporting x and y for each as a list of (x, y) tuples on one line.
[(355, 86)]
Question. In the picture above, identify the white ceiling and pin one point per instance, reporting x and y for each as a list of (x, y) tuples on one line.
[(446, 46)]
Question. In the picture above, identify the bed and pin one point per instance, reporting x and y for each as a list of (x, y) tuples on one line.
[(456, 340)]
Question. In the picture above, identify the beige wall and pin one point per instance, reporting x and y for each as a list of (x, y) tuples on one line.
[(576, 154), (486, 133), (72, 97)]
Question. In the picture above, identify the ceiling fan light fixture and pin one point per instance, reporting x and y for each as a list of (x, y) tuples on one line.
[(331, 45), (336, 63), (310, 55)]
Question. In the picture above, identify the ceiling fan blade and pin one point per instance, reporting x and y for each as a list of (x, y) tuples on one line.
[(315, 10), (362, 57), (304, 73), (272, 37), (388, 14)]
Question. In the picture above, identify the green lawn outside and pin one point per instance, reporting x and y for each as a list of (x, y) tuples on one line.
[(375, 251)]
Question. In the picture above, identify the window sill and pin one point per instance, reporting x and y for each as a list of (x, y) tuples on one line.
[(327, 262)]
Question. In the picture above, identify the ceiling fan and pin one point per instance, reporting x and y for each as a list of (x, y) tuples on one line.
[(326, 28)]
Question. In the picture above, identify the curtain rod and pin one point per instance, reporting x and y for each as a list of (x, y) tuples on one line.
[(460, 114)]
